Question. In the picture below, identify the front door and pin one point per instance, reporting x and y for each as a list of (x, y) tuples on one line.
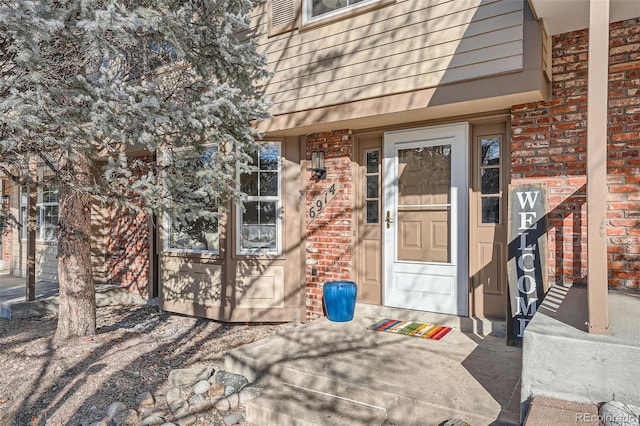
[(426, 219)]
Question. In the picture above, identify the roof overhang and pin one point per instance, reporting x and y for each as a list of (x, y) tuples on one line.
[(561, 16)]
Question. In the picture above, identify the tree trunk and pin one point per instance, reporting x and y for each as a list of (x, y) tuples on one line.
[(77, 312)]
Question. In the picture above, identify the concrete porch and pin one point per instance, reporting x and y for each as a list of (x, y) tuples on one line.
[(561, 360), (325, 373)]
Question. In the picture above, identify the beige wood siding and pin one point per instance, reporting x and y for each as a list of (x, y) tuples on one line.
[(405, 46), (46, 262), (233, 287)]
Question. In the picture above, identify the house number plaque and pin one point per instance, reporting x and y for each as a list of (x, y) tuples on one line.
[(321, 201)]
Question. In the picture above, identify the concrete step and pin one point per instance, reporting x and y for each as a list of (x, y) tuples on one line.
[(416, 382), (288, 405), (546, 411), (399, 409)]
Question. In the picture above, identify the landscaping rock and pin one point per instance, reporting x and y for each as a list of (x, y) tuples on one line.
[(215, 390), (116, 408), (126, 418), (222, 405), (173, 395), (187, 420), (195, 399), (189, 376), (179, 407), (151, 411), (201, 406), (201, 387), (145, 399), (616, 413), (232, 382), (455, 422), (233, 419), (153, 420)]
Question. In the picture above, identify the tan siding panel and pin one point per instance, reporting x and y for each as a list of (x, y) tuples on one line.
[(46, 262), (399, 85), (442, 43), (401, 65), (402, 47), (184, 280), (414, 33), (260, 287), (398, 20)]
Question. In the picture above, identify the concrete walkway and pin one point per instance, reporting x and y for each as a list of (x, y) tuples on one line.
[(13, 290), (316, 368), (14, 304)]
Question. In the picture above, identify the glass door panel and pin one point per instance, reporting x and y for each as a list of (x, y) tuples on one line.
[(424, 204)]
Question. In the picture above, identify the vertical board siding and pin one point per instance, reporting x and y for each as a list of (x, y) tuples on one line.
[(408, 45)]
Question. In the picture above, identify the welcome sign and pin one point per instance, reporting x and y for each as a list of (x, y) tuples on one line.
[(527, 254)]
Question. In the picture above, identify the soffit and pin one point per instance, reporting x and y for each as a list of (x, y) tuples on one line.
[(561, 16)]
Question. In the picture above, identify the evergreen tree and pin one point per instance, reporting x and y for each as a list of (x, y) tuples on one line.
[(86, 83)]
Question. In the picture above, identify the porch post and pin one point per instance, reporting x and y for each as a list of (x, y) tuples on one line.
[(31, 231), (597, 137)]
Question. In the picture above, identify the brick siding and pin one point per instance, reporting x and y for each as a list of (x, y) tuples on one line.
[(9, 226), (128, 250), (549, 145), (329, 234)]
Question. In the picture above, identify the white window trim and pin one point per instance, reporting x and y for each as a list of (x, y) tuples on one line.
[(307, 10), (166, 224), (40, 207), (257, 198), (23, 217)]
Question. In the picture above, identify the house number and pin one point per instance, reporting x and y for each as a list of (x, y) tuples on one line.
[(321, 201)]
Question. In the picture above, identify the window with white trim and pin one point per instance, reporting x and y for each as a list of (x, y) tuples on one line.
[(316, 9), (259, 216), (194, 233), (22, 214), (47, 218)]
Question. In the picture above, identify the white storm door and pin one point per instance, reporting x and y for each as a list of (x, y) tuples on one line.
[(426, 216)]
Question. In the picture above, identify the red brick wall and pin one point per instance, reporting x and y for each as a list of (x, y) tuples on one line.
[(549, 145), (128, 250), (328, 236), (10, 226)]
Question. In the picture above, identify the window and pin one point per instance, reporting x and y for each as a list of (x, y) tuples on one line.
[(24, 204), (372, 186), (259, 217), (324, 8), (490, 188), (46, 213), (193, 231), (47, 219)]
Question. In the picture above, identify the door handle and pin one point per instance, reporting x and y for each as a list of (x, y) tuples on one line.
[(388, 219)]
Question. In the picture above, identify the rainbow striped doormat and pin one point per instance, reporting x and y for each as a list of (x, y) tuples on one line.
[(407, 328)]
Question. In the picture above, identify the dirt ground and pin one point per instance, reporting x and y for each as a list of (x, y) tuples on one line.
[(133, 351)]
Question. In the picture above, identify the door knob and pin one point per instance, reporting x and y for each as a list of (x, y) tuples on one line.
[(388, 219)]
